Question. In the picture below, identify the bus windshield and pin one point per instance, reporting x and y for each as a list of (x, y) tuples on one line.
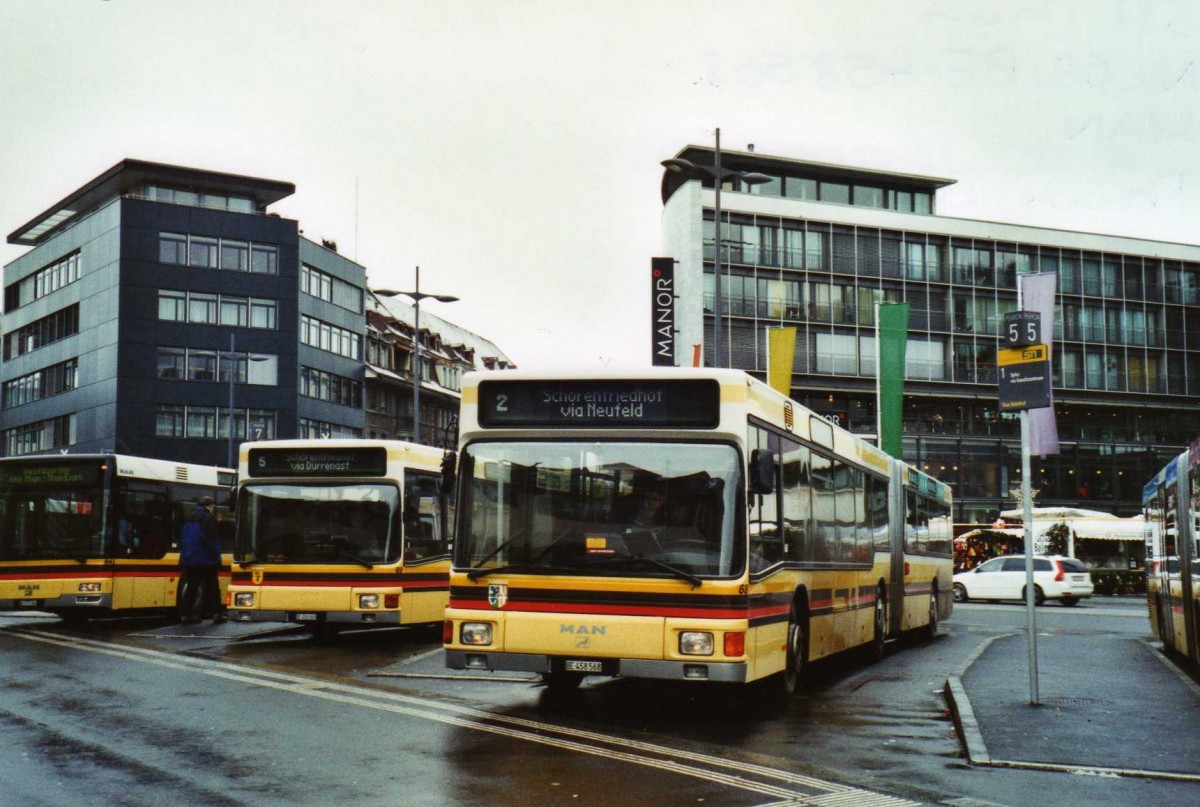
[(52, 512), (317, 524), (601, 508)]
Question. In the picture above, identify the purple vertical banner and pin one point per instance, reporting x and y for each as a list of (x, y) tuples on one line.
[(662, 312), (1036, 293)]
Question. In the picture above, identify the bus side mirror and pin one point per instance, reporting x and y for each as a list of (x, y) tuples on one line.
[(449, 461), (762, 471)]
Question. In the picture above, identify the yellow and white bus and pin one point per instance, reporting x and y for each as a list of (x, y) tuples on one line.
[(340, 533), (1172, 508), (781, 538), (88, 535)]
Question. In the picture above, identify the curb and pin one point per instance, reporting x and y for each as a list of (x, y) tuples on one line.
[(975, 749)]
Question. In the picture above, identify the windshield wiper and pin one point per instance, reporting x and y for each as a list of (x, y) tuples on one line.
[(521, 568), (658, 564), (346, 553)]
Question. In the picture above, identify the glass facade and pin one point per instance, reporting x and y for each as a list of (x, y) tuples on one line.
[(1126, 350)]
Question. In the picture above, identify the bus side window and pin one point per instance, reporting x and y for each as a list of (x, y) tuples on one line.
[(797, 501)]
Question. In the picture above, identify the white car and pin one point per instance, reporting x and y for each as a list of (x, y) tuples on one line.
[(1003, 578)]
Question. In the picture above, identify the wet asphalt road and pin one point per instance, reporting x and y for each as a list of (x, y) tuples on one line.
[(139, 712)]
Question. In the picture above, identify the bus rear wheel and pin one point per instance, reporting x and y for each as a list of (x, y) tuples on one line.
[(931, 628), (879, 640)]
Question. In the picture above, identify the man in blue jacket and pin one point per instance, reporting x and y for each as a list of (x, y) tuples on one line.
[(200, 561)]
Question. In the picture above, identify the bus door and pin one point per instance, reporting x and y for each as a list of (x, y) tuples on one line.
[(139, 530), (426, 546), (898, 523), (1189, 498)]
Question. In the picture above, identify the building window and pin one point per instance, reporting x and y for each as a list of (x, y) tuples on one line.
[(326, 287), (235, 311), (42, 282), (209, 309), (44, 383), (330, 387), (171, 363), (322, 430), (202, 365), (202, 308), (168, 421), (172, 248), (201, 422), (172, 306), (262, 313), (51, 328), (207, 252), (44, 435), (193, 364), (235, 255), (203, 251), (322, 335), (835, 192), (264, 259)]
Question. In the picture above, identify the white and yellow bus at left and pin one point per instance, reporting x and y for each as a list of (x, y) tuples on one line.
[(89, 535)]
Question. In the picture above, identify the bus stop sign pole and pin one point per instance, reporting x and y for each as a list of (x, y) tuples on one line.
[(1024, 366), (1027, 517)]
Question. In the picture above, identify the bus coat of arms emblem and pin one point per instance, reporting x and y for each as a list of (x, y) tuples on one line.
[(256, 576), (497, 594)]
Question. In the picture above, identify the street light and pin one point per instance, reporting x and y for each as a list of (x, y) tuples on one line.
[(233, 357), (416, 295), (718, 175)]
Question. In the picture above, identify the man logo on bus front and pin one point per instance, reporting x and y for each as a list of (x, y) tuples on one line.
[(497, 594)]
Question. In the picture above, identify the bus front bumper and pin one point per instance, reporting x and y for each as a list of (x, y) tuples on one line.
[(698, 670), (317, 617), (72, 600)]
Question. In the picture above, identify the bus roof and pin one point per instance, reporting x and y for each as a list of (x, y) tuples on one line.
[(140, 467), (397, 450)]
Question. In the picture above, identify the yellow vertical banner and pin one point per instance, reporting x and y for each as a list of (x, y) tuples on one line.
[(781, 351)]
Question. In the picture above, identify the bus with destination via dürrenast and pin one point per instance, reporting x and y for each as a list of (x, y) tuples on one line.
[(90, 535), (1172, 508), (340, 533), (684, 524)]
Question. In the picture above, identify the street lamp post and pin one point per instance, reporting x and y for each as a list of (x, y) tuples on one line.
[(232, 357), (719, 175), (416, 295)]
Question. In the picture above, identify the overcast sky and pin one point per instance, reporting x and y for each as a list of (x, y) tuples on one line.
[(511, 149)]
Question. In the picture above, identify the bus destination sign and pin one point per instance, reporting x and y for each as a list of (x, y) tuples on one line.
[(687, 403), (40, 474), (365, 461)]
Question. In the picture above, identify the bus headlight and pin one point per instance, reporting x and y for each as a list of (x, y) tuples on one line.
[(696, 643), (243, 599), (475, 633), (89, 586), (368, 600)]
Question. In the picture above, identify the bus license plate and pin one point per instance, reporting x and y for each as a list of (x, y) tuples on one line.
[(573, 665), (27, 603), (306, 617)]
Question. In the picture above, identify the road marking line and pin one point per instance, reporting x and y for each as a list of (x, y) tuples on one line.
[(518, 728)]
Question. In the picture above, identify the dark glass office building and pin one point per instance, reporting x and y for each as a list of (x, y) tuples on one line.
[(819, 245), (161, 306)]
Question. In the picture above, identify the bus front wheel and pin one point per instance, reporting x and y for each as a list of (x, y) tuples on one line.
[(796, 670)]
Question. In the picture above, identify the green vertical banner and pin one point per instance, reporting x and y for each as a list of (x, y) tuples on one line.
[(891, 341)]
